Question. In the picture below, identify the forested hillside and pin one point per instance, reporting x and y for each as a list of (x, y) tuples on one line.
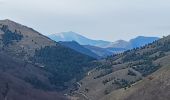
[(123, 71), (38, 61)]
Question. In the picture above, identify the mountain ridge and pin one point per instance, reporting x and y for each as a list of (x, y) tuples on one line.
[(72, 36), (75, 46), (103, 48), (82, 40)]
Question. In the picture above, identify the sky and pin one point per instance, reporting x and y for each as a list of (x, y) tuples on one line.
[(97, 19)]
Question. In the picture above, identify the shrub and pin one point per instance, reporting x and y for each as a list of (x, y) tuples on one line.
[(130, 72)]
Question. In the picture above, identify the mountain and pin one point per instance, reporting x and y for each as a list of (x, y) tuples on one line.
[(116, 50), (34, 67), (138, 74), (92, 51), (98, 46), (72, 36), (17, 79), (119, 44), (133, 43), (79, 48), (40, 64), (141, 41), (102, 52)]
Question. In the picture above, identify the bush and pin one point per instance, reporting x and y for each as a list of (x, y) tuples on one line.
[(122, 83), (130, 72)]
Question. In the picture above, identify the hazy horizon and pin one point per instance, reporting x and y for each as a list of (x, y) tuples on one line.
[(108, 20)]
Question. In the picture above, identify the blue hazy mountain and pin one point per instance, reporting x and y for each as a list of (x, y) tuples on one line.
[(99, 48), (102, 52), (133, 43), (79, 48), (72, 36), (141, 41), (119, 44)]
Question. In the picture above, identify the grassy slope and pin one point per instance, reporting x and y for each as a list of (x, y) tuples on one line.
[(145, 61), (154, 87)]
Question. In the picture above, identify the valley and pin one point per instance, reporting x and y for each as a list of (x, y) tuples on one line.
[(42, 65), (84, 50), (31, 63)]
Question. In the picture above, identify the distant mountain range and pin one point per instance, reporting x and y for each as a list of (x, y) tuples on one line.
[(72, 36), (133, 43), (92, 51), (99, 47)]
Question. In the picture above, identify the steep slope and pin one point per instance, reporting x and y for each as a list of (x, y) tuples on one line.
[(24, 43), (24, 81), (22, 38), (77, 47), (72, 36), (134, 74)]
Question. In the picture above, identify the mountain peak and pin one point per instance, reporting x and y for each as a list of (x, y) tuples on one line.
[(69, 33), (142, 40), (73, 36), (11, 24), (8, 21)]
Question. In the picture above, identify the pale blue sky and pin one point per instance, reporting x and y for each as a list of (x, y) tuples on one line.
[(98, 19)]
